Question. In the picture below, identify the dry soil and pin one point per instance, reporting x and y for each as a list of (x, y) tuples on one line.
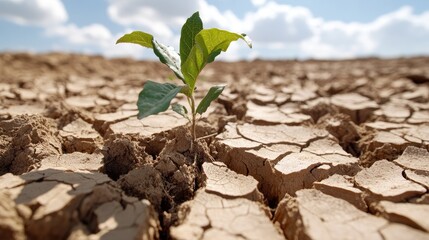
[(290, 150)]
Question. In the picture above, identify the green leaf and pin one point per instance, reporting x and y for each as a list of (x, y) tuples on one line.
[(190, 29), (155, 98), (213, 55), (213, 93), (169, 57), (208, 44), (186, 90), (166, 55), (137, 37), (180, 109)]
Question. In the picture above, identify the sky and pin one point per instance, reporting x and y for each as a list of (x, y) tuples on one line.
[(280, 29)]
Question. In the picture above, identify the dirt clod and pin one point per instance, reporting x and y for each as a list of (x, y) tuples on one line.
[(122, 154), (209, 216), (384, 181), (358, 107), (80, 136), (11, 224), (228, 184), (76, 162), (414, 215), (342, 187), (314, 215), (25, 141), (62, 205)]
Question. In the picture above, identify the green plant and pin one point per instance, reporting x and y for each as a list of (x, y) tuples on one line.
[(198, 47)]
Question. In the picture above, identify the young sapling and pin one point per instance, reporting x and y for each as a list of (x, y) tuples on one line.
[(198, 47)]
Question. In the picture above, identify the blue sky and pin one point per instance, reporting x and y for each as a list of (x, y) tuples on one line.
[(280, 29)]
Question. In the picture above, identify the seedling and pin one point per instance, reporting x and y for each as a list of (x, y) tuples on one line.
[(198, 47)]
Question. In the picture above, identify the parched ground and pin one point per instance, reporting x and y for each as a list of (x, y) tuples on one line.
[(291, 150)]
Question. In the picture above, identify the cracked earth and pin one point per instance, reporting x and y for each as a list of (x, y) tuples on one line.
[(290, 150)]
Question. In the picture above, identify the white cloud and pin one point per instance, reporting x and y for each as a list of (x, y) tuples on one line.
[(94, 34), (275, 23), (127, 50), (164, 18), (394, 34), (400, 33), (33, 12), (280, 30), (258, 2), (95, 38), (335, 39), (212, 17), (158, 16), (127, 12)]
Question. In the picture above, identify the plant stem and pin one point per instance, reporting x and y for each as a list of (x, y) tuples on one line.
[(193, 133)]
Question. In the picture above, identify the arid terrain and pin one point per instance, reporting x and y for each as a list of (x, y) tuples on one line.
[(291, 150)]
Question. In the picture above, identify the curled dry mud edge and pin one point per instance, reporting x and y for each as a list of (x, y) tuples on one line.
[(287, 143)]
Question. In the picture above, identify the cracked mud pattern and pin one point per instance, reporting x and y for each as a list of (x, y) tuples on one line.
[(290, 150)]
